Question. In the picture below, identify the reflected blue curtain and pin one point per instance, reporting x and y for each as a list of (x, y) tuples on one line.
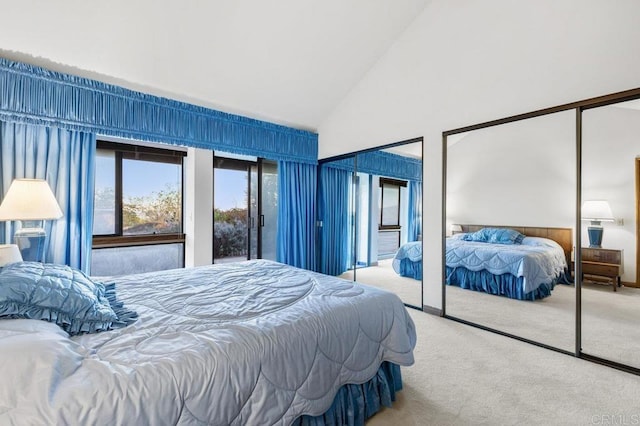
[(66, 159), (297, 183), (333, 211), (415, 210), (396, 166)]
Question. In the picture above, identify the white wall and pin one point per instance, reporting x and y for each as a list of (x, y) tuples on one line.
[(518, 174), (198, 210), (610, 145), (463, 62)]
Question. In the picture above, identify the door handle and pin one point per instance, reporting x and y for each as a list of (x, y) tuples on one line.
[(261, 220)]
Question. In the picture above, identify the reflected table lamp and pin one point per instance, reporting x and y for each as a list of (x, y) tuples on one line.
[(30, 201), (9, 253), (596, 211)]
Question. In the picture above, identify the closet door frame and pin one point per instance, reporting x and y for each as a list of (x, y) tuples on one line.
[(578, 107)]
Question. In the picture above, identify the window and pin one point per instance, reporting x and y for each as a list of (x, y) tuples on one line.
[(389, 227), (138, 204), (245, 214), (390, 203)]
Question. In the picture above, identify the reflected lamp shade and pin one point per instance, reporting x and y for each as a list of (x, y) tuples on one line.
[(455, 229), (9, 253), (29, 201), (596, 211)]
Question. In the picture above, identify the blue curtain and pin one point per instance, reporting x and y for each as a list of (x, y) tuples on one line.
[(415, 210), (297, 183), (382, 163), (333, 211), (66, 159), (34, 95)]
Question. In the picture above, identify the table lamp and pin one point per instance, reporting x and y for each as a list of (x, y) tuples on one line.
[(30, 201), (596, 211), (9, 253)]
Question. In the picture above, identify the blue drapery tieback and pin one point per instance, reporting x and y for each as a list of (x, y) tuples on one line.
[(34, 95)]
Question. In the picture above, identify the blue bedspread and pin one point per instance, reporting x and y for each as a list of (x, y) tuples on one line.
[(533, 263), (249, 343), (408, 260)]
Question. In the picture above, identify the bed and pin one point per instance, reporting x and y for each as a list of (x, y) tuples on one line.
[(526, 263), (407, 261), (254, 342)]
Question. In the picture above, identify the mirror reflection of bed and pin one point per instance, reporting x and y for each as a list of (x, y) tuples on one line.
[(385, 220), (611, 174), (520, 174)]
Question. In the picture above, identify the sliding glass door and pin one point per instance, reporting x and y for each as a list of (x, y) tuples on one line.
[(239, 222)]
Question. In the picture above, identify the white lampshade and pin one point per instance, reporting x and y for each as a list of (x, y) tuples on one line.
[(9, 253), (456, 228), (29, 199), (597, 210)]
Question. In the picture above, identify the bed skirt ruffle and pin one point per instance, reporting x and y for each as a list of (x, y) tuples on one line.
[(354, 404), (410, 269), (504, 285)]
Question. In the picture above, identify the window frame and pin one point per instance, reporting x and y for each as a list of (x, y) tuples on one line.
[(394, 182), (144, 153)]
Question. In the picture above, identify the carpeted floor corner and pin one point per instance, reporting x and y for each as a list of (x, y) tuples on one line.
[(467, 376)]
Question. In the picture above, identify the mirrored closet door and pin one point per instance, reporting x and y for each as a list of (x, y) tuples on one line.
[(376, 238), (610, 205), (510, 214)]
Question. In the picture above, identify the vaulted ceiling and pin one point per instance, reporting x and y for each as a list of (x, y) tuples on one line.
[(289, 62)]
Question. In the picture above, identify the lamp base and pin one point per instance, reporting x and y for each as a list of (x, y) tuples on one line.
[(31, 242), (595, 236)]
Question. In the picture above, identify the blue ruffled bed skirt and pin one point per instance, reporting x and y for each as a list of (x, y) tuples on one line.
[(411, 269), (354, 404), (504, 285)]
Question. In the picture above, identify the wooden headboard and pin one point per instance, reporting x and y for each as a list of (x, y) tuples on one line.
[(563, 236)]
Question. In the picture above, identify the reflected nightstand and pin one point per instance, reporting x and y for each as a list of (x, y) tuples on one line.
[(602, 263)]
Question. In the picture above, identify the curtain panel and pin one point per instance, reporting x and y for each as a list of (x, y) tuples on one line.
[(333, 211), (297, 184), (415, 211), (66, 160), (34, 95)]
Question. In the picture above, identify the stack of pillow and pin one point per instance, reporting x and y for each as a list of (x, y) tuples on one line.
[(495, 236), (62, 295)]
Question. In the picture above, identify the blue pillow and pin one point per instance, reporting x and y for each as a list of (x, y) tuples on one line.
[(495, 236), (59, 294)]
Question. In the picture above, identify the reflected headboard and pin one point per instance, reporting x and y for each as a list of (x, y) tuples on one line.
[(563, 236)]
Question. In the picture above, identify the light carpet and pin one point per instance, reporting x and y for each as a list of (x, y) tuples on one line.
[(467, 376), (383, 276), (610, 320)]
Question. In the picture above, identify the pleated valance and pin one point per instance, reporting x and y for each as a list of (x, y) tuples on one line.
[(382, 163), (34, 95)]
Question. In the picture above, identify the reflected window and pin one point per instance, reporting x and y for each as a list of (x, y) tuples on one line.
[(390, 203)]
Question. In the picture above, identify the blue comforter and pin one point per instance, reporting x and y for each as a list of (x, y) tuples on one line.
[(250, 343), (537, 264), (407, 261)]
